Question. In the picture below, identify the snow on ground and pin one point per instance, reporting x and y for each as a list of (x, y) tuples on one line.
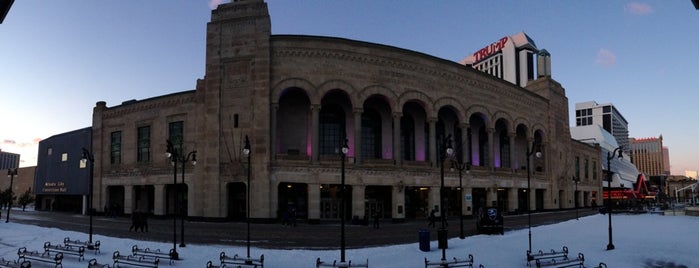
[(641, 241)]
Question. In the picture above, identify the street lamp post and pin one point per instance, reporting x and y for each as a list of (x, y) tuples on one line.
[(448, 151), (10, 174), (461, 167), (536, 151), (610, 156), (343, 156), (175, 157), (87, 156), (184, 160), (575, 196), (247, 152)]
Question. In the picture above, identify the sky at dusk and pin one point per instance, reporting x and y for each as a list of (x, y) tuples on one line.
[(58, 58)]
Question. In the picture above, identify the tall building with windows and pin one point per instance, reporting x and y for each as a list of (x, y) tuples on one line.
[(511, 58), (8, 160), (649, 155), (606, 116)]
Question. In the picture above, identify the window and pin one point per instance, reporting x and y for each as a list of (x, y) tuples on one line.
[(143, 151), (594, 170), (371, 134), (176, 135), (115, 148), (64, 157), (332, 129), (577, 167), (587, 166), (49, 151)]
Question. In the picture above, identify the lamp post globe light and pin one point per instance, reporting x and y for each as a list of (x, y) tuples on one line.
[(610, 156), (10, 174), (87, 156), (171, 153), (536, 151)]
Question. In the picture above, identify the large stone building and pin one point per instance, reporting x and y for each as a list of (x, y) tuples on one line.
[(298, 98)]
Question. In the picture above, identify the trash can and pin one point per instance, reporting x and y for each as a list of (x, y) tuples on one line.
[(424, 238)]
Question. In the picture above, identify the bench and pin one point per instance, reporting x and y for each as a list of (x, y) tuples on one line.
[(70, 250), (24, 254), (76, 243), (562, 262), (155, 254), (320, 263), (134, 260), (547, 255), (242, 262), (94, 264), (468, 262), (14, 264)]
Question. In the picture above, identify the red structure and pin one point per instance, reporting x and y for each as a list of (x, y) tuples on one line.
[(639, 192)]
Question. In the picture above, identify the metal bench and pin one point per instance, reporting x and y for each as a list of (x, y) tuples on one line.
[(90, 246), (562, 262), (14, 264), (547, 255), (242, 262), (94, 264), (320, 263), (134, 260), (149, 253), (47, 257), (70, 250), (468, 262)]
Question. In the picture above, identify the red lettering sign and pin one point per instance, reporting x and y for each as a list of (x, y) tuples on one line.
[(490, 49)]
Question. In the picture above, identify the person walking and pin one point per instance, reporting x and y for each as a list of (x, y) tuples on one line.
[(375, 216), (432, 218)]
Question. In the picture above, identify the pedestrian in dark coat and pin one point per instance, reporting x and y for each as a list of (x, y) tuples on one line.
[(375, 216), (134, 221), (432, 218)]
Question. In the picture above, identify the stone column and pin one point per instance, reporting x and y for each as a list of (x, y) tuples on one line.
[(358, 204), (433, 141), (313, 202), (512, 136), (128, 199), (358, 136), (512, 198), (315, 139), (273, 132), (464, 143), (491, 149), (468, 205), (398, 211), (397, 154), (159, 199)]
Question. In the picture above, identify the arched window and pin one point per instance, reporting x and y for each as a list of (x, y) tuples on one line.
[(371, 134), (332, 129)]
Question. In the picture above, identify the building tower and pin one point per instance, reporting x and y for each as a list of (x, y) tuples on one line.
[(649, 155), (8, 160), (606, 116), (512, 58)]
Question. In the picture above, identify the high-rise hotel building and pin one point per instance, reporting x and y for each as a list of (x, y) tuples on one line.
[(607, 116), (649, 156)]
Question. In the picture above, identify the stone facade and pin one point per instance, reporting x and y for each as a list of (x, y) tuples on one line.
[(297, 98)]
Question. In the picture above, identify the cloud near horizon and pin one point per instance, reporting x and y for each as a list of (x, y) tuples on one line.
[(638, 8), (605, 57)]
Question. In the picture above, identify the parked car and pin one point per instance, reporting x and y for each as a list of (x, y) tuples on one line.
[(489, 220)]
